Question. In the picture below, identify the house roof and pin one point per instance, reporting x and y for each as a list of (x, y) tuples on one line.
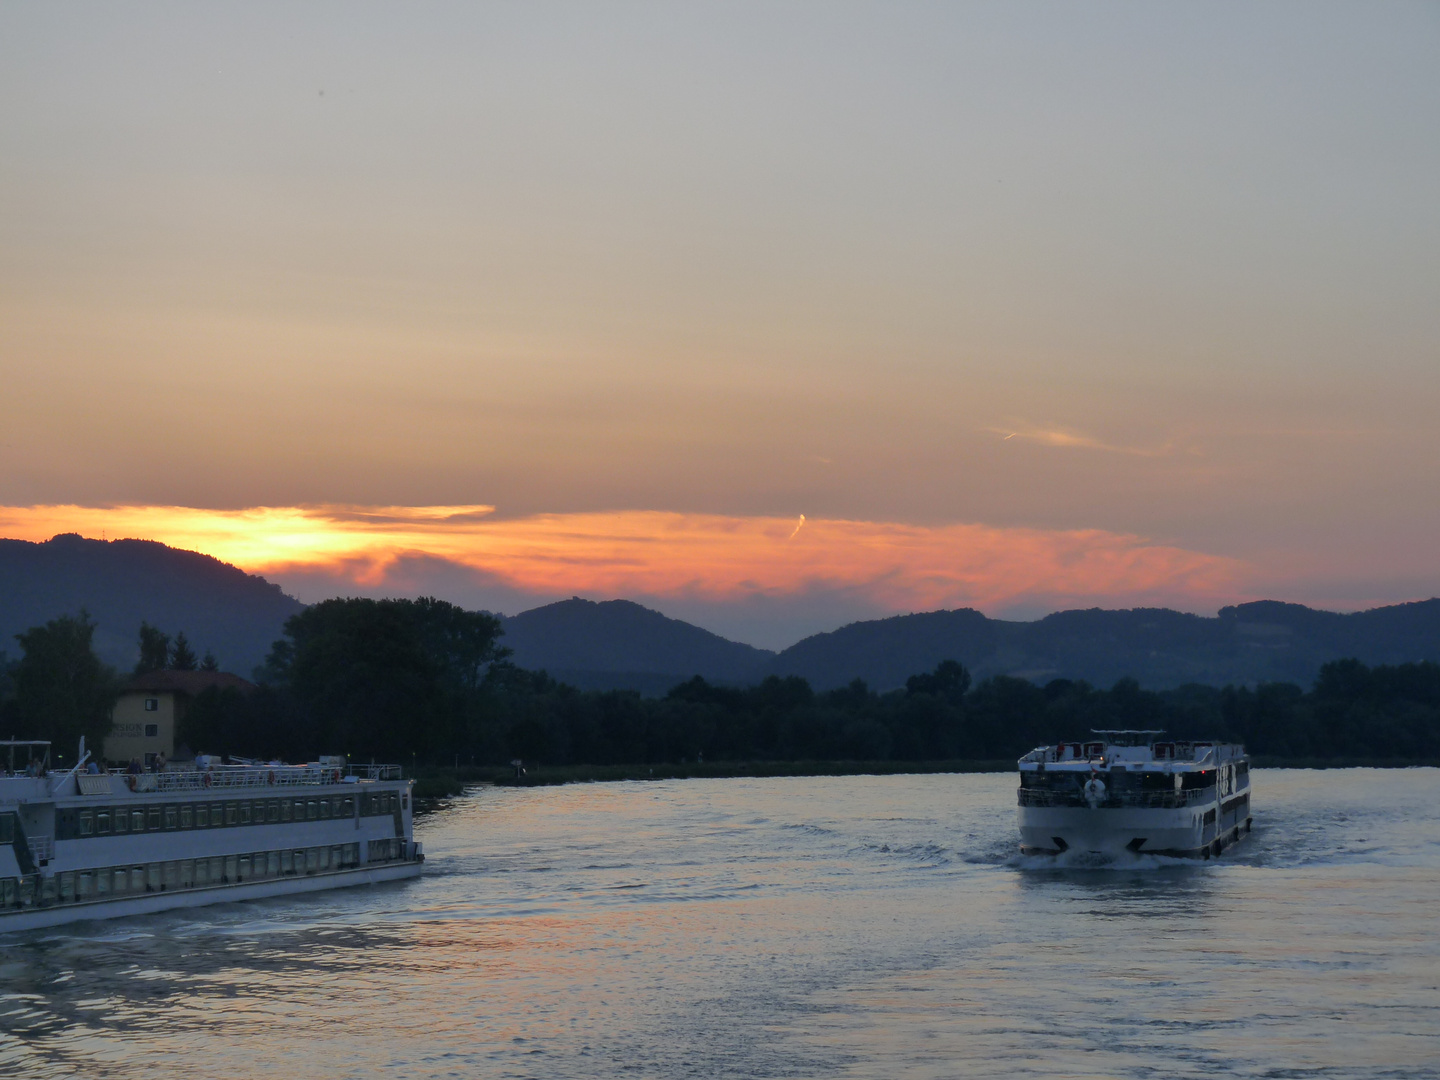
[(187, 682)]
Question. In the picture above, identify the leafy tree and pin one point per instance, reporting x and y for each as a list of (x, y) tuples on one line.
[(387, 677), (182, 657), (62, 690), (154, 649)]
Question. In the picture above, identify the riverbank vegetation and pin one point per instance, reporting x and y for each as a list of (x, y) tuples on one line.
[(426, 683)]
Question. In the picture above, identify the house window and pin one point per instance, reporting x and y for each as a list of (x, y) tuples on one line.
[(152, 704), (152, 730)]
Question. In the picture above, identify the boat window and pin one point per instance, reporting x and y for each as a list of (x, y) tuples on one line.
[(230, 813), (312, 810), (122, 819), (153, 818), (244, 814), (187, 817), (170, 817), (172, 875), (137, 820), (405, 801), (202, 816), (287, 862), (67, 887), (1194, 780), (102, 821), (87, 825), (103, 880), (347, 807), (272, 811)]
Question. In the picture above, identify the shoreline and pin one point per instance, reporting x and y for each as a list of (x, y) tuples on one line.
[(441, 783)]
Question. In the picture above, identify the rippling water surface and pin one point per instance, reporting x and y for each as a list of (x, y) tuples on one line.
[(861, 926)]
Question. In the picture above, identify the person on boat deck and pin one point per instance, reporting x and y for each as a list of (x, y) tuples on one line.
[(134, 767), (160, 761), (93, 768), (35, 769)]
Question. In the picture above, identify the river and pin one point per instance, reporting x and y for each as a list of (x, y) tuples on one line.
[(793, 927)]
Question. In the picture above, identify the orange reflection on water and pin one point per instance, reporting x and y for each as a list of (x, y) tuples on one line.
[(657, 553)]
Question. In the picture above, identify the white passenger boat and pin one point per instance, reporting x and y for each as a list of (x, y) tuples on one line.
[(1134, 791), (78, 845)]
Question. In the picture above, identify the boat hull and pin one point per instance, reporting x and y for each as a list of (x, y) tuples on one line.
[(61, 914), (1115, 831)]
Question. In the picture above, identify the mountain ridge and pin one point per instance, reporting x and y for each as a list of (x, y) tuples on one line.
[(219, 607), (619, 644)]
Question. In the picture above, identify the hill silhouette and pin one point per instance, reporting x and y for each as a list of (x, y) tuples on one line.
[(1264, 641), (220, 608), (618, 644)]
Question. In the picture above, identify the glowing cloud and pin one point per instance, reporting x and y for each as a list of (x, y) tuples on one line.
[(1066, 439), (653, 553)]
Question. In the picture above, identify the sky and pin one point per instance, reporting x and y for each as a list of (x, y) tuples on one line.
[(770, 316)]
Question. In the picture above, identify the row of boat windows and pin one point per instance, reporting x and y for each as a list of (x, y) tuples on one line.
[(74, 886), (111, 820), (1148, 780)]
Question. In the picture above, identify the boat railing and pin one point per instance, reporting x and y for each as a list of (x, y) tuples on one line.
[(238, 776), (374, 772), (232, 776), (1152, 800)]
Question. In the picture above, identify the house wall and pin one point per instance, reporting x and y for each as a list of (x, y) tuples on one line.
[(128, 738)]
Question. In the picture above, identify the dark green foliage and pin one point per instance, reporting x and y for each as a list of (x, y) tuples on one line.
[(182, 657), (154, 649), (422, 680), (209, 663), (61, 689), (388, 678)]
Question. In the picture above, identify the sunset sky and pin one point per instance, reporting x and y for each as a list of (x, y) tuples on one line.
[(1021, 306)]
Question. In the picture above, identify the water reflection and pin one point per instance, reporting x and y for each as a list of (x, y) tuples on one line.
[(874, 926)]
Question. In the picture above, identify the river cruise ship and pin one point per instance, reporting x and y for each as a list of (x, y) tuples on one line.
[(1134, 791), (79, 845)]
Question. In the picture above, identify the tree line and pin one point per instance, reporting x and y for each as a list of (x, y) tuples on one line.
[(426, 681), (60, 690)]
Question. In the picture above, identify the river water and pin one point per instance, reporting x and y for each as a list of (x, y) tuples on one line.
[(802, 927)]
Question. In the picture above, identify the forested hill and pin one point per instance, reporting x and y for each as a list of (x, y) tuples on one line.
[(1265, 641), (617, 644), (220, 608)]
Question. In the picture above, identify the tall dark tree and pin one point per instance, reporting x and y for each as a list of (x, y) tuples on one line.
[(154, 649), (386, 677), (182, 657), (209, 663), (62, 690)]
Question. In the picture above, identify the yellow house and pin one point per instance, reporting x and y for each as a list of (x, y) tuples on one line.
[(150, 708)]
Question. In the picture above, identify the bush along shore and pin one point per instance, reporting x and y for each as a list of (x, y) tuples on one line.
[(423, 682)]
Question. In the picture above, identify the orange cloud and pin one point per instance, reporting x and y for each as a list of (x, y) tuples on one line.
[(654, 553)]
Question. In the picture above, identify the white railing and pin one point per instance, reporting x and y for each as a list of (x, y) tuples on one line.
[(374, 772), (91, 784), (232, 776), (244, 776)]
